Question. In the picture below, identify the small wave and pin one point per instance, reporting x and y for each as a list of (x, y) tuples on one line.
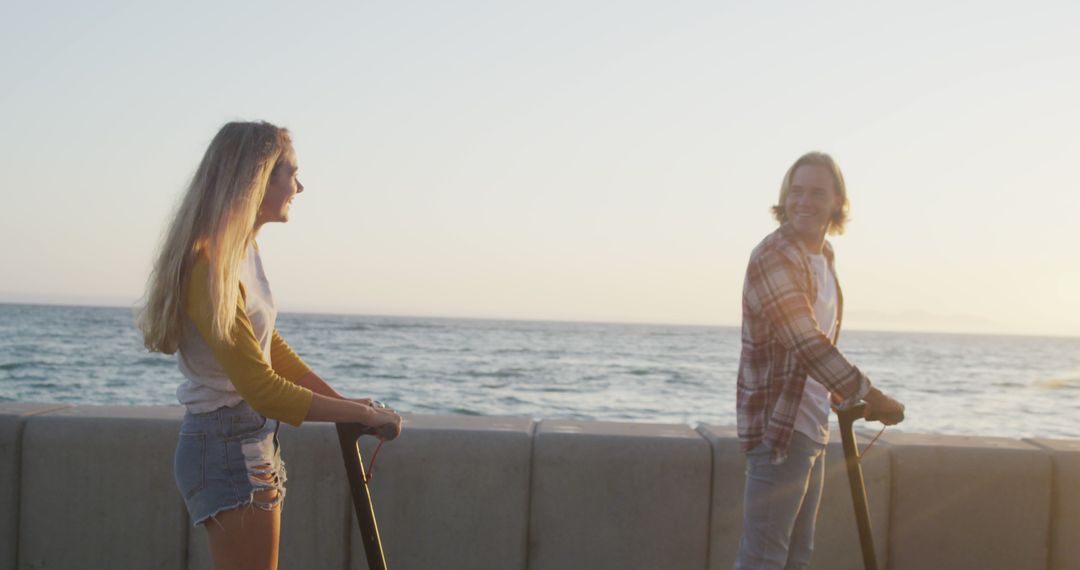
[(386, 326), (46, 385), (156, 361), (682, 380), (22, 365), (400, 326), (505, 351), (502, 373), (556, 389), (389, 376), (354, 366), (1067, 383)]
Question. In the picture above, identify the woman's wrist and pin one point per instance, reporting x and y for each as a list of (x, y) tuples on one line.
[(370, 416)]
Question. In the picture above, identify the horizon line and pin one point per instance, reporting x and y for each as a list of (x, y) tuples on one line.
[(107, 305)]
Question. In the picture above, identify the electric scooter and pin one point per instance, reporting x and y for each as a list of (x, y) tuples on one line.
[(348, 434), (855, 476)]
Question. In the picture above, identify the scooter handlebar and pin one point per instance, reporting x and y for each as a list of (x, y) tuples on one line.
[(887, 418), (386, 432), (856, 412)]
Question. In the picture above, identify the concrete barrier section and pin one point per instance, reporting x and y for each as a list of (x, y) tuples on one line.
[(452, 492), (622, 496), (1065, 509), (317, 511), (92, 487), (975, 503), (728, 482), (13, 418), (97, 490)]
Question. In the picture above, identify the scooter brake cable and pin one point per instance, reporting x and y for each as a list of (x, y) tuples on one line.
[(871, 444)]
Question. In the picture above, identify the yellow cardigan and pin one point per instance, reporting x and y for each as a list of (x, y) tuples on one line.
[(268, 387)]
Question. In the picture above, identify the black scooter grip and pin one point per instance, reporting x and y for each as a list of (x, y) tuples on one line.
[(890, 419), (850, 415), (387, 431)]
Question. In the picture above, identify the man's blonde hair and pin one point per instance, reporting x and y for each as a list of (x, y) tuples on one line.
[(840, 217), (215, 218)]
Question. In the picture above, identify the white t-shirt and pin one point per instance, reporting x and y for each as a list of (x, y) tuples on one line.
[(812, 419), (207, 387)]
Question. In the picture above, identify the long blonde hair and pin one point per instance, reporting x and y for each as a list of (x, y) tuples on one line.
[(839, 218), (216, 218)]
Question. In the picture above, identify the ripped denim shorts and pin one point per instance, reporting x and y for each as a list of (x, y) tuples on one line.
[(224, 457)]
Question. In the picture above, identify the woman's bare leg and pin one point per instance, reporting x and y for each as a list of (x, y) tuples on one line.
[(246, 538)]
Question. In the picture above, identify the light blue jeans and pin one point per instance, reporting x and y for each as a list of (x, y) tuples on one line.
[(781, 506)]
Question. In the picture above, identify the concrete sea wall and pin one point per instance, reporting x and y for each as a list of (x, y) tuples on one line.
[(92, 487)]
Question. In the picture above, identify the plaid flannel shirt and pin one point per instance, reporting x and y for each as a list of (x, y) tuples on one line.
[(782, 344)]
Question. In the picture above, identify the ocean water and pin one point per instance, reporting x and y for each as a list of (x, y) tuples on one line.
[(956, 384)]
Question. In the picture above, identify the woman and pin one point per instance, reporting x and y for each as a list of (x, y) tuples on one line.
[(208, 299)]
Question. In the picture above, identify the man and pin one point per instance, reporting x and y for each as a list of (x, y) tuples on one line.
[(790, 367)]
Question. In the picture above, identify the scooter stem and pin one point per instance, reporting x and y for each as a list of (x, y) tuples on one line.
[(847, 418), (348, 434)]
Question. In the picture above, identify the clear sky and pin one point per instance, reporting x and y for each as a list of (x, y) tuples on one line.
[(585, 160)]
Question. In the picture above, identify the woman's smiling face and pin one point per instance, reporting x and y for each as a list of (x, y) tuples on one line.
[(283, 186)]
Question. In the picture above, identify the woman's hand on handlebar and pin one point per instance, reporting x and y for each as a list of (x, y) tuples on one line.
[(341, 410), (382, 418), (387, 423)]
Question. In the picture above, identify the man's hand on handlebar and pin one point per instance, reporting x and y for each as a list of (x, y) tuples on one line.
[(882, 408)]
